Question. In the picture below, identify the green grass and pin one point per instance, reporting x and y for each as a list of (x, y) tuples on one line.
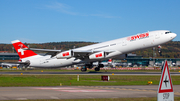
[(71, 80), (85, 80)]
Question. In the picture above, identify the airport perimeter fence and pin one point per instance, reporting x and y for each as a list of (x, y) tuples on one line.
[(65, 68), (140, 68), (128, 68)]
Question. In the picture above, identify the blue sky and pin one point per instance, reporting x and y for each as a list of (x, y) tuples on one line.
[(40, 21)]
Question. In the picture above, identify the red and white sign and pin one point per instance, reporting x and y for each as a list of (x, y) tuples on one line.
[(105, 78), (165, 89)]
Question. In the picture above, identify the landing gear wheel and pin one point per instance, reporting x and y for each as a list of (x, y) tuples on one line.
[(97, 69), (101, 66), (83, 69)]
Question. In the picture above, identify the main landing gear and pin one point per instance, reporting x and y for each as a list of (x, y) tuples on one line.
[(90, 66), (99, 66)]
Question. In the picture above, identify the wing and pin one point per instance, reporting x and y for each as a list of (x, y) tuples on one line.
[(51, 52), (79, 54)]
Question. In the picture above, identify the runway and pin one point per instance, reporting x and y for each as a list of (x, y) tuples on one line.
[(80, 92), (87, 73)]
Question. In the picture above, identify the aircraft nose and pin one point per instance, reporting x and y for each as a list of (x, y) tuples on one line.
[(173, 35)]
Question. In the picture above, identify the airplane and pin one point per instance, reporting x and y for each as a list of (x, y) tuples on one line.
[(91, 53), (8, 65), (105, 63), (108, 63)]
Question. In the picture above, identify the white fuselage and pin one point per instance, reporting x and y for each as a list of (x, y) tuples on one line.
[(119, 46)]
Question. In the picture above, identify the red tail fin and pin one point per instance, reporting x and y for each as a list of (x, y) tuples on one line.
[(21, 49), (110, 61)]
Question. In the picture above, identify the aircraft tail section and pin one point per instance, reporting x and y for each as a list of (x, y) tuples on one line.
[(22, 50), (110, 61)]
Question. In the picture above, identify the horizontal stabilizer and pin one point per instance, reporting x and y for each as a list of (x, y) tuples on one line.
[(44, 50)]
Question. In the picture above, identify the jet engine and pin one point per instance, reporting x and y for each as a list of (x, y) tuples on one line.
[(65, 54), (98, 55)]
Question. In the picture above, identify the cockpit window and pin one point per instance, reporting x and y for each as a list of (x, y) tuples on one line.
[(167, 32)]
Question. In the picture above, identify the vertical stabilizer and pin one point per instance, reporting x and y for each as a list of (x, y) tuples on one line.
[(21, 49), (110, 61)]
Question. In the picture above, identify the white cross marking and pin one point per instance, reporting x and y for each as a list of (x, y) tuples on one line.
[(21, 50)]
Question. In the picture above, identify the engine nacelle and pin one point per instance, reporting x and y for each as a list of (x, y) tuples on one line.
[(65, 54), (98, 55)]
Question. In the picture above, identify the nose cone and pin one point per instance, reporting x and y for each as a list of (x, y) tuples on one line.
[(173, 35)]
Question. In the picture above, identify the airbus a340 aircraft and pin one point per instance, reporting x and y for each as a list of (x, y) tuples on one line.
[(92, 53)]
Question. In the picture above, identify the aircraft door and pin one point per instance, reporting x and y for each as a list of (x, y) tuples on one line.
[(124, 43), (157, 35)]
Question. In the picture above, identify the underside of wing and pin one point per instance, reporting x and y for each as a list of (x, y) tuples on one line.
[(83, 54), (92, 54)]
